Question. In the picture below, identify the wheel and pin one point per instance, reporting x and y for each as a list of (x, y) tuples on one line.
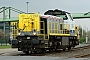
[(26, 52), (73, 46), (35, 51), (50, 50), (64, 49), (69, 48), (43, 51), (55, 50)]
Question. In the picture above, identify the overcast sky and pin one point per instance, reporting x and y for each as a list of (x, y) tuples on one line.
[(73, 6)]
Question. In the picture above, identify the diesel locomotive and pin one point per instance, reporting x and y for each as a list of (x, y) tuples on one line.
[(37, 33)]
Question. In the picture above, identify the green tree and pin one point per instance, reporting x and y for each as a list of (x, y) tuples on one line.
[(82, 38), (1, 33), (84, 32)]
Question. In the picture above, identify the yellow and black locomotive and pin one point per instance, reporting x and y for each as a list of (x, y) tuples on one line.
[(38, 33)]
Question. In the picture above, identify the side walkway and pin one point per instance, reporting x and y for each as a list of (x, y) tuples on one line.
[(2, 51)]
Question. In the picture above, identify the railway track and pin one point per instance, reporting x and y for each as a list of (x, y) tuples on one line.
[(81, 48), (31, 54), (82, 56), (74, 52), (38, 54), (56, 53)]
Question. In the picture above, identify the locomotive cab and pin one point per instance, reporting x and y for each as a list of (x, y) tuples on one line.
[(34, 31)]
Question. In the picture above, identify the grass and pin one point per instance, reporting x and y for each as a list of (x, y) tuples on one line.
[(83, 40), (4, 46)]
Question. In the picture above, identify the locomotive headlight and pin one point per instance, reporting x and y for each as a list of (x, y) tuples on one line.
[(19, 33), (34, 32)]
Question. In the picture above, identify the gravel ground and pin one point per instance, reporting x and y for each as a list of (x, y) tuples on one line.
[(71, 54), (68, 54)]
